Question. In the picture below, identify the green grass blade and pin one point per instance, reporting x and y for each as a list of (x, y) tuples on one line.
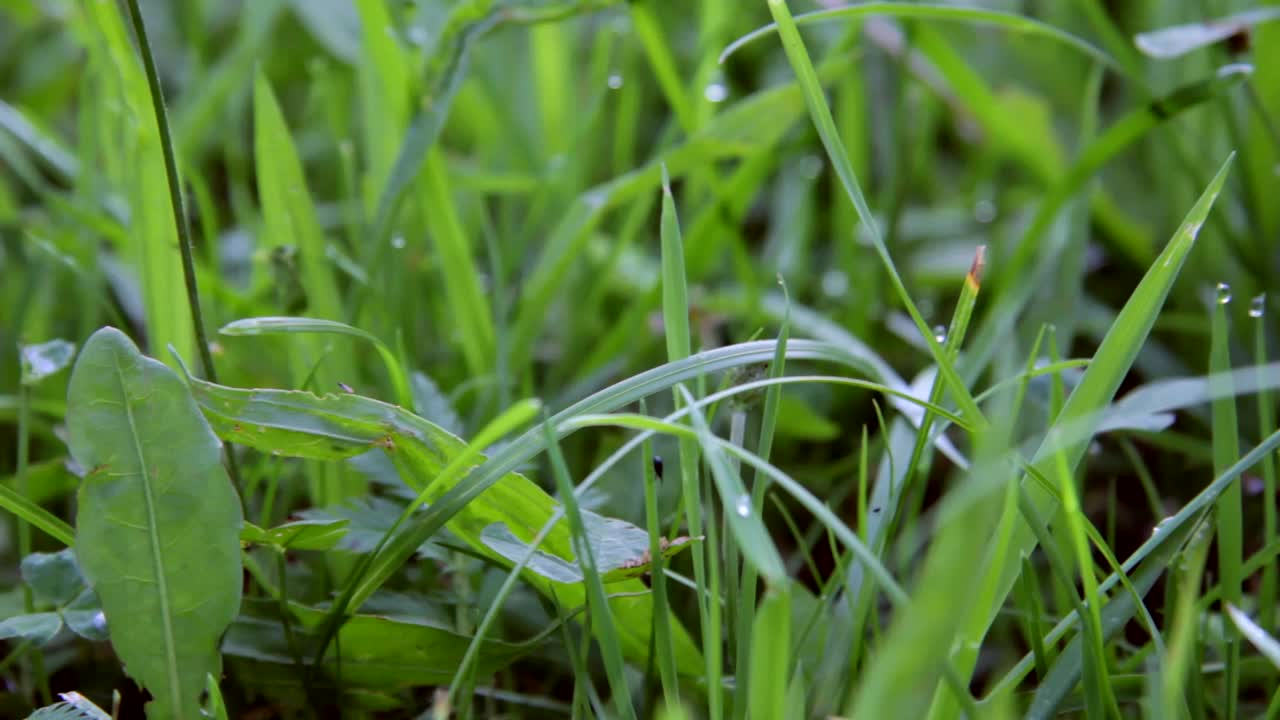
[(926, 11), (603, 622), (820, 113), (1228, 516)]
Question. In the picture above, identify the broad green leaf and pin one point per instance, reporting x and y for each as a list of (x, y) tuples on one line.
[(367, 520), (298, 535), (1064, 445), (54, 577), (36, 627), (301, 424), (431, 403), (376, 652), (621, 550), (1178, 40), (158, 523), (45, 359), (85, 618)]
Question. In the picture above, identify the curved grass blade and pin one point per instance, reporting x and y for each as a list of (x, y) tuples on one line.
[(947, 13), (820, 114), (27, 510), (270, 325), (158, 523)]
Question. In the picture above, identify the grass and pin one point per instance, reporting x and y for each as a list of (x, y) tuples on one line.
[(764, 360)]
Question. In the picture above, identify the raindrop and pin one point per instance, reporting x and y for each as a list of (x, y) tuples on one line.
[(398, 242), (811, 166), (835, 283), (716, 92), (984, 211), (615, 81), (940, 333), (1258, 306), (743, 506), (1223, 293)]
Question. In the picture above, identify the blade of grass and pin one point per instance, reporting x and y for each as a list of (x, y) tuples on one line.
[(602, 620), (1226, 450), (820, 113), (926, 11)]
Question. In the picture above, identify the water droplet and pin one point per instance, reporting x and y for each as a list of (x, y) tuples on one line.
[(615, 81), (398, 242), (1223, 293), (1258, 306), (418, 36), (984, 211), (835, 283), (716, 92), (1193, 230), (1159, 525), (940, 333), (743, 506)]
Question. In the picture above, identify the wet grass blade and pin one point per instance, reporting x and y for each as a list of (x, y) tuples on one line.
[(1228, 516)]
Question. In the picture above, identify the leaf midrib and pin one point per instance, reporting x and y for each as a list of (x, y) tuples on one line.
[(171, 664)]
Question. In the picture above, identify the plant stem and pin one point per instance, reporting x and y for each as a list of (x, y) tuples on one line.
[(179, 214)]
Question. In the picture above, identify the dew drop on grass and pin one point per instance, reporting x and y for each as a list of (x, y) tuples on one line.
[(398, 242), (1258, 306), (716, 92), (984, 211), (615, 81), (940, 333), (835, 283), (743, 506), (1223, 293)]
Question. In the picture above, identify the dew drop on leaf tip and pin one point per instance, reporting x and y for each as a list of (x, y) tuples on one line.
[(1223, 293), (940, 333), (743, 506), (1258, 305), (614, 81)]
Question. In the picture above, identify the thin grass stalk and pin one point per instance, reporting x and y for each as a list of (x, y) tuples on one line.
[(179, 217), (1226, 450)]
